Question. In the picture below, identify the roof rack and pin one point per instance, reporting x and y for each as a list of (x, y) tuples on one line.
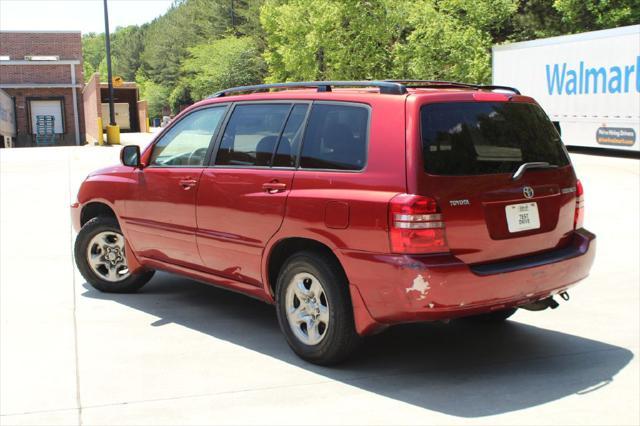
[(451, 85), (386, 87)]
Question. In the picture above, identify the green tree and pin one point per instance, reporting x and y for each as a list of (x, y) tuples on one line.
[(157, 96), (127, 45), (441, 48), (248, 12), (93, 51), (426, 39), (187, 24), (489, 16), (200, 46), (588, 15), (534, 19), (102, 68), (452, 39), (231, 61), (330, 39)]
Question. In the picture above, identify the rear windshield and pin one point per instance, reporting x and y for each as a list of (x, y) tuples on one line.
[(476, 138)]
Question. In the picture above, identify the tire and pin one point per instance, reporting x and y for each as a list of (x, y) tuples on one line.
[(492, 317), (109, 275), (333, 337)]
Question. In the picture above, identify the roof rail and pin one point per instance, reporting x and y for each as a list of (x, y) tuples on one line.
[(386, 87), (451, 85)]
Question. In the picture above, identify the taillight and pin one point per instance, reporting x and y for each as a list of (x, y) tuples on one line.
[(579, 214), (415, 225)]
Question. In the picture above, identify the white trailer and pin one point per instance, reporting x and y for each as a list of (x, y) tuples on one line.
[(7, 120), (589, 83)]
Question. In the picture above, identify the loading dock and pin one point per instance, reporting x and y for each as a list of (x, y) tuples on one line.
[(131, 114)]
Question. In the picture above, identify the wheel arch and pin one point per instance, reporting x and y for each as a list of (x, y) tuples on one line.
[(95, 209), (281, 250), (103, 208)]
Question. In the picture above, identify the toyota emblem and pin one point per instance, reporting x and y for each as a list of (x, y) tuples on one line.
[(528, 192)]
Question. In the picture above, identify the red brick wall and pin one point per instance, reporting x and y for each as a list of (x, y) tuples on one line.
[(17, 45), (25, 74), (20, 44), (92, 109)]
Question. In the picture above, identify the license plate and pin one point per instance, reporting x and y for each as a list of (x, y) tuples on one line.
[(522, 217)]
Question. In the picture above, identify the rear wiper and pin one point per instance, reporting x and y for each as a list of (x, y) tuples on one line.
[(533, 165)]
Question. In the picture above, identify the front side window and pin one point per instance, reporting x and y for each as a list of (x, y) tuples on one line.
[(251, 135), (335, 137), (186, 143)]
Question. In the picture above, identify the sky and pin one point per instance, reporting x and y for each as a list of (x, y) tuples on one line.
[(77, 15)]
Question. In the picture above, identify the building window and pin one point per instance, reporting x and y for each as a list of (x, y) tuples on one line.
[(42, 58)]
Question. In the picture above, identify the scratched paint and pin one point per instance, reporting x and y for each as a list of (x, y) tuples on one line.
[(421, 286)]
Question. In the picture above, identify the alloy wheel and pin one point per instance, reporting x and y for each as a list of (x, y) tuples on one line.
[(307, 308), (106, 257)]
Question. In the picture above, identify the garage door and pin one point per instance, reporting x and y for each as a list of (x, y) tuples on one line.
[(123, 120), (53, 108)]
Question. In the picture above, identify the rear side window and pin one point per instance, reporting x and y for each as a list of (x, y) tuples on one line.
[(476, 138), (335, 137), (251, 134)]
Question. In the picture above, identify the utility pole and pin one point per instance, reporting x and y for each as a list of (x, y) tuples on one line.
[(113, 132)]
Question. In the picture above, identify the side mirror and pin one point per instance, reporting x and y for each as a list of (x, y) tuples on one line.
[(130, 156)]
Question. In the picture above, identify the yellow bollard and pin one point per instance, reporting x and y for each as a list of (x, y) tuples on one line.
[(100, 132), (113, 134), (148, 125)]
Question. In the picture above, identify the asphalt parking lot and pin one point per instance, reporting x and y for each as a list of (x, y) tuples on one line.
[(181, 352)]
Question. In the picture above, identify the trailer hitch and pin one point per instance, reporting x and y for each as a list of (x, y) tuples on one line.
[(543, 304)]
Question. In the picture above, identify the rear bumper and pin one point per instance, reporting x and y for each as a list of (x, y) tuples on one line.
[(403, 288)]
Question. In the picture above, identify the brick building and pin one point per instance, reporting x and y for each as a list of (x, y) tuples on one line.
[(42, 71)]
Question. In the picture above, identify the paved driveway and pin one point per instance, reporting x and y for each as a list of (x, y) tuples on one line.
[(181, 352)]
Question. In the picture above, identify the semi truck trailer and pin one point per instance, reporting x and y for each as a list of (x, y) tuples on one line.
[(588, 83)]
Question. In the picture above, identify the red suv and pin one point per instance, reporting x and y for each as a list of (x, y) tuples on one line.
[(351, 206)]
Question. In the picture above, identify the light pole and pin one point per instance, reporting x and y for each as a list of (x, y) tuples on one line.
[(113, 132)]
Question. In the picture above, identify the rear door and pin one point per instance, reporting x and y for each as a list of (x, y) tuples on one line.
[(242, 196), (470, 152), (161, 214)]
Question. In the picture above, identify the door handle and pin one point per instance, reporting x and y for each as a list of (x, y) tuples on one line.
[(274, 187), (188, 183)]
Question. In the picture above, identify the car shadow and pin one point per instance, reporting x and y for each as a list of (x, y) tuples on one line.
[(460, 368)]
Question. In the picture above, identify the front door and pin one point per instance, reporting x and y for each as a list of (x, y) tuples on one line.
[(161, 214), (242, 197)]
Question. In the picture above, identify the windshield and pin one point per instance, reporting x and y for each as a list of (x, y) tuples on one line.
[(475, 138)]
